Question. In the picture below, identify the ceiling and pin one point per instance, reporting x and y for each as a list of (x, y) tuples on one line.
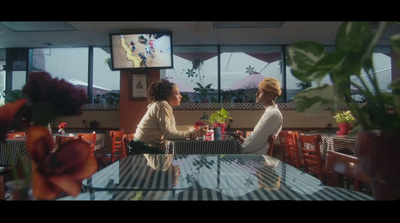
[(86, 33)]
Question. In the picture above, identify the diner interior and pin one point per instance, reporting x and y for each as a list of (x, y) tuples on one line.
[(233, 57)]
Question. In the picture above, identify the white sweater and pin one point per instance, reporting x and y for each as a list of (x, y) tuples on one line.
[(158, 125), (269, 123)]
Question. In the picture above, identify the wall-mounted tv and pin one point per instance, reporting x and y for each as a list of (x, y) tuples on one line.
[(141, 50)]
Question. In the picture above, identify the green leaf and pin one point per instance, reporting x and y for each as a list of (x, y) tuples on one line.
[(353, 36), (395, 87), (395, 43), (311, 101), (303, 56)]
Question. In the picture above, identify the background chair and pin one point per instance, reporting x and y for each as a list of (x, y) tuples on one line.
[(313, 163), (15, 135), (292, 149), (282, 145), (90, 138), (127, 138), (117, 147), (344, 165), (271, 145)]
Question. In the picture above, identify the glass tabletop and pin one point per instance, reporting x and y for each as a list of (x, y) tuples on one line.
[(222, 171), (210, 177)]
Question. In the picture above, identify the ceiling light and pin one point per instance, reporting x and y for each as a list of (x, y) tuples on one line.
[(38, 26), (224, 25)]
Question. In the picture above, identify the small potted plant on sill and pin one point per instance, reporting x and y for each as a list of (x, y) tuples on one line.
[(377, 121), (344, 119), (203, 90)]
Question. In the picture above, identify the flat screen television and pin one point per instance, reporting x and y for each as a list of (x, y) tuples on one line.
[(141, 50)]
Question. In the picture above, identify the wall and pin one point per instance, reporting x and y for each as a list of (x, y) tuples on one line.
[(106, 119), (131, 111)]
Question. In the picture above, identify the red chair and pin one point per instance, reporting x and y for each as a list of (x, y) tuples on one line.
[(313, 163), (292, 149), (15, 135), (282, 146), (90, 138), (117, 146), (271, 145)]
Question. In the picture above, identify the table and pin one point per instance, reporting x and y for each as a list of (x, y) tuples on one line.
[(19, 146), (227, 146), (15, 146), (207, 177), (101, 141), (334, 142)]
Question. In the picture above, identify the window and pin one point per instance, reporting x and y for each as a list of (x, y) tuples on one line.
[(212, 74), (106, 83), (195, 67), (242, 69), (70, 64)]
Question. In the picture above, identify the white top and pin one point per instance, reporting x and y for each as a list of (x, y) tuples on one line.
[(158, 125), (270, 123)]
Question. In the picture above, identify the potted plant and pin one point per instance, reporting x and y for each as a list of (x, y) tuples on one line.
[(377, 121), (344, 119), (196, 63), (185, 98), (218, 118), (203, 90), (227, 95)]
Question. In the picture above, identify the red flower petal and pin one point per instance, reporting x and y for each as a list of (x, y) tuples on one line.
[(39, 143), (60, 170), (42, 188)]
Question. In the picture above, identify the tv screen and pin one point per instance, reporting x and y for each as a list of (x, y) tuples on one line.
[(141, 50)]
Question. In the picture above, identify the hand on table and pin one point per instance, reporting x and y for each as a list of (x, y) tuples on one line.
[(203, 131)]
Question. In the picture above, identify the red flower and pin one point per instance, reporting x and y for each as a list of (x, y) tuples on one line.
[(7, 115), (62, 125), (58, 171), (198, 123)]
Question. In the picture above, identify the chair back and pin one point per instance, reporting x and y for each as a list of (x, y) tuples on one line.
[(117, 145), (127, 138), (345, 166), (271, 145), (248, 133), (310, 146), (89, 138), (282, 145), (16, 135), (292, 149)]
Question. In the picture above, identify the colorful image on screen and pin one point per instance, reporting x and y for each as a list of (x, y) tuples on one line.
[(147, 50)]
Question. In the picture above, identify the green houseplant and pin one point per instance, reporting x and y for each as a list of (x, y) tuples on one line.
[(217, 119), (377, 121), (203, 90), (344, 119)]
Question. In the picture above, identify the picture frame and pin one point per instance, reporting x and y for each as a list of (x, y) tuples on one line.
[(138, 84)]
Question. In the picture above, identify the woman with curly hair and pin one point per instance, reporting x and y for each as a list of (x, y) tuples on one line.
[(158, 124)]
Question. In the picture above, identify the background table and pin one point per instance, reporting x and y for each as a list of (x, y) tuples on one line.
[(19, 146), (101, 141), (15, 146), (229, 146), (208, 177), (334, 142)]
